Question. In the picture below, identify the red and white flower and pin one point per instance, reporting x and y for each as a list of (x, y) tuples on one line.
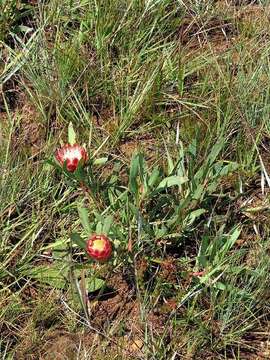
[(72, 155), (99, 247)]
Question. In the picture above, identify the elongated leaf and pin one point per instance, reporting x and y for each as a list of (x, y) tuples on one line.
[(153, 177), (172, 181), (60, 251), (192, 148), (198, 192), (99, 227), (71, 134), (215, 151), (193, 216), (230, 167), (49, 275), (94, 284), (83, 214), (107, 224), (56, 276), (169, 162), (100, 161), (203, 252), (134, 170), (142, 167), (56, 244), (78, 240), (231, 240)]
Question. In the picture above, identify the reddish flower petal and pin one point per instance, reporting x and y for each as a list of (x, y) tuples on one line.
[(72, 155), (99, 247)]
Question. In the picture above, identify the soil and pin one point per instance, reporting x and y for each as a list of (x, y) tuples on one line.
[(30, 133), (216, 33)]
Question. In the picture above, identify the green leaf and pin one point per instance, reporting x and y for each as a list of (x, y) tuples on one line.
[(99, 227), (107, 224), (172, 181), (71, 134), (232, 289), (25, 29), (161, 232), (78, 240), (134, 170), (60, 251), (198, 192), (142, 167), (216, 149), (153, 177), (52, 162), (94, 284), (100, 161), (220, 286), (193, 216), (49, 275), (83, 214), (201, 259), (229, 168), (56, 245), (192, 148), (169, 162), (233, 236)]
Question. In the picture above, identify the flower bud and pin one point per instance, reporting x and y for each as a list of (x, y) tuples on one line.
[(99, 247), (71, 154)]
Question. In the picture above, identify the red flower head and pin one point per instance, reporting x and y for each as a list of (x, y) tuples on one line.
[(99, 247), (72, 154)]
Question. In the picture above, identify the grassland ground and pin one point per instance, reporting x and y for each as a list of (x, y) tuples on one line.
[(172, 100)]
